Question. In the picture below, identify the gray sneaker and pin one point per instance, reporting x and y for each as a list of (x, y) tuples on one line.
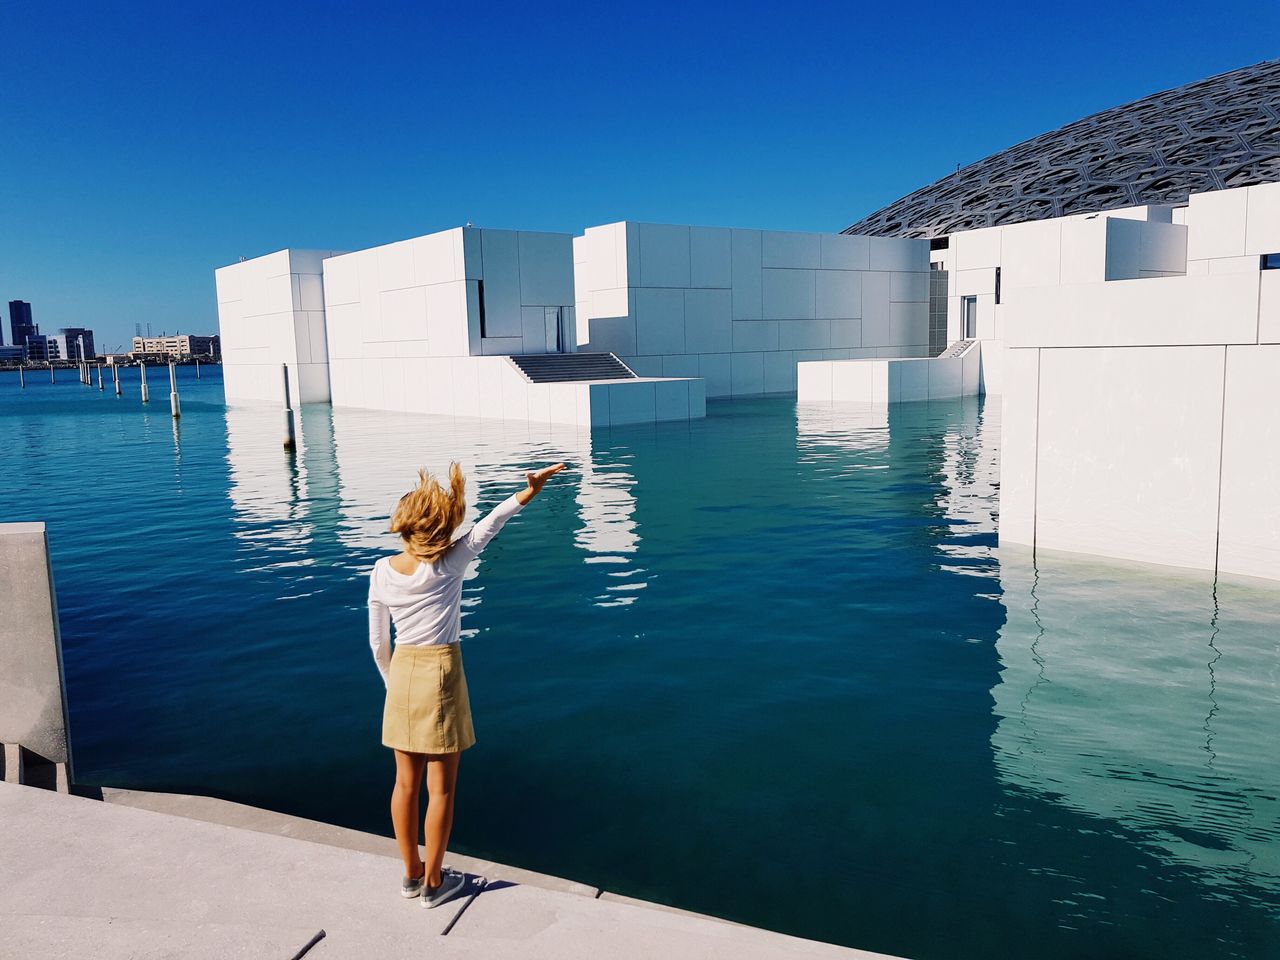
[(451, 884), (411, 887)]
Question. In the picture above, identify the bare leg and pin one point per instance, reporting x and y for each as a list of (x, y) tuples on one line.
[(404, 808), (442, 777)]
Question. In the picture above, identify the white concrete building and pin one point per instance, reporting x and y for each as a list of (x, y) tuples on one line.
[(739, 308), (271, 312), (1137, 392), (466, 322)]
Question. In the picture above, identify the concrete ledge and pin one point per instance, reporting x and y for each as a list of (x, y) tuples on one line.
[(114, 880), (227, 813)]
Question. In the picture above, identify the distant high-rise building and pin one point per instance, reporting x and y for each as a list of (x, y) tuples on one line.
[(41, 348), (20, 324), (76, 343)]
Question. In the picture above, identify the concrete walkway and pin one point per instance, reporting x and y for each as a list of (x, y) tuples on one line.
[(83, 878)]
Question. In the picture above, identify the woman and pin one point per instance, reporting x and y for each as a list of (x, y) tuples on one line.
[(427, 717)]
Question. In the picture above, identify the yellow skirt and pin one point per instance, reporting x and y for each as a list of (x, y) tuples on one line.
[(427, 709)]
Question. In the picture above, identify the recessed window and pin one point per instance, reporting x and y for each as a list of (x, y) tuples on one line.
[(997, 284), (480, 297), (1271, 261)]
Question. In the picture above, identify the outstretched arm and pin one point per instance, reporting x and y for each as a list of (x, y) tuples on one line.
[(477, 538), (535, 482), (380, 635)]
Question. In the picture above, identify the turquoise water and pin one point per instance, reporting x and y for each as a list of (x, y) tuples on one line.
[(768, 666)]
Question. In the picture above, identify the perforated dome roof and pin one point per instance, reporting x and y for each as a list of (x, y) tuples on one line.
[(1208, 135)]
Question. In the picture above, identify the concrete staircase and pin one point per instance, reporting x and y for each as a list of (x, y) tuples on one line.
[(567, 367), (957, 349)]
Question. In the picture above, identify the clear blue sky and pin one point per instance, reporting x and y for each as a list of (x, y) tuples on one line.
[(144, 144)]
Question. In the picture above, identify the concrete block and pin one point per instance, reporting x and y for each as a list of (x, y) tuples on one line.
[(546, 268), (489, 370), (707, 321), (664, 255), (838, 295), (671, 399), (804, 335), (613, 335), (1128, 443), (646, 366), (843, 252), (681, 365), (660, 320), (912, 378), (632, 401), (854, 382), (846, 333), (563, 399), (597, 399), (908, 324), (500, 270), (779, 371), (1031, 255), (438, 257), (466, 386), (746, 248), (1225, 265), (1217, 223), (710, 259), (946, 378), (395, 265), (976, 248), (755, 335), (791, 250), (814, 381), (448, 322), (715, 369), (1262, 231), (788, 294), (501, 346), (533, 327), (612, 303), (747, 374), (909, 287), (1269, 306), (899, 254), (1249, 516), (697, 399), (33, 711)]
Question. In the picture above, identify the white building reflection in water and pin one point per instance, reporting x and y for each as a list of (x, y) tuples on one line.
[(270, 489), (953, 444), (1146, 698), (352, 466)]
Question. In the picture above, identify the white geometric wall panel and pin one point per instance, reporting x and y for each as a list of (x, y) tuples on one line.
[(271, 311), (465, 292), (1136, 412), (740, 308), (955, 374)]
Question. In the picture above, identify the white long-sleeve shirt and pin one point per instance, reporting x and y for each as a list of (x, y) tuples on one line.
[(426, 605)]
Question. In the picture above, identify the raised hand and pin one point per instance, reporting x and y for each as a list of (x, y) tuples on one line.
[(536, 479)]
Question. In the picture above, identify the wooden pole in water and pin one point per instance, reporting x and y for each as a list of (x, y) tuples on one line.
[(175, 406), (288, 410), (142, 368), (115, 375), (197, 368), (22, 378), (100, 386), (51, 377)]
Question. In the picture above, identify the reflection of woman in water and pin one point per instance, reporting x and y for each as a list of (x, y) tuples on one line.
[(427, 718)]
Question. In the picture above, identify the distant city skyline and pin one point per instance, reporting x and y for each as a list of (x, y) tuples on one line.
[(157, 144)]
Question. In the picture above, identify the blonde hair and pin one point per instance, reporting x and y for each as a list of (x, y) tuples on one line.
[(427, 515)]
